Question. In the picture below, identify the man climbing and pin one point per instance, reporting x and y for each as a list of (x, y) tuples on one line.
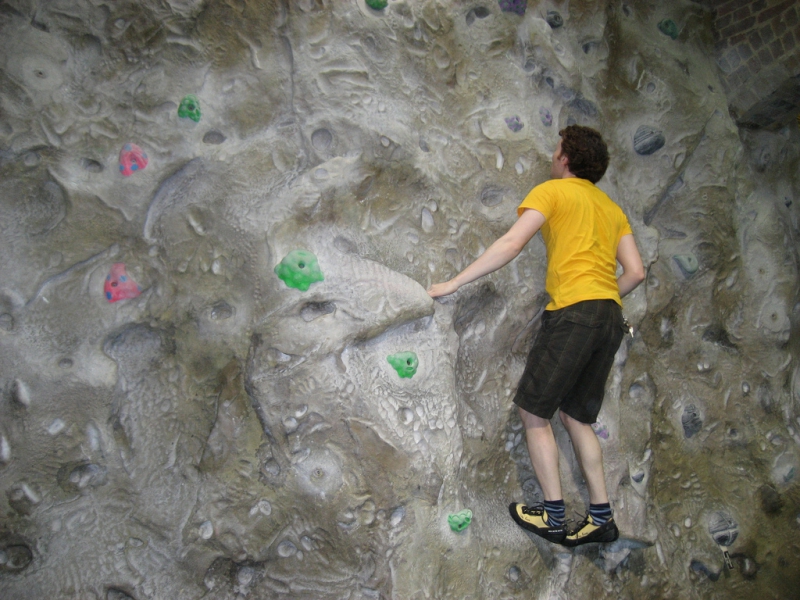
[(585, 234)]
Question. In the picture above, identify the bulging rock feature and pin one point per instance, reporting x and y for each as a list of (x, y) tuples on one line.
[(688, 264), (723, 528), (554, 19), (214, 137), (513, 6), (691, 421), (15, 558), (648, 140)]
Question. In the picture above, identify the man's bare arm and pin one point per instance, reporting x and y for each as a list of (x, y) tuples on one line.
[(499, 254), (632, 267)]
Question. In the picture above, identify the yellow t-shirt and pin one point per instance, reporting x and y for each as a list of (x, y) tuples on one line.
[(582, 230)]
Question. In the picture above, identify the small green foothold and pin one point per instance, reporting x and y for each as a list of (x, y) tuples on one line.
[(377, 4), (190, 108), (460, 520), (299, 269), (688, 263), (405, 363), (669, 27)]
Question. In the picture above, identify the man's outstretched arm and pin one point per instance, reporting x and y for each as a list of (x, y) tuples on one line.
[(499, 254), (632, 267)]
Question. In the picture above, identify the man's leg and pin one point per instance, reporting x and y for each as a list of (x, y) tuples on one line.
[(544, 453), (589, 455), (599, 525), (547, 519)]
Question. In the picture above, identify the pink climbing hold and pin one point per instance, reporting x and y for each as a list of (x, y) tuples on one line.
[(119, 286), (131, 159)]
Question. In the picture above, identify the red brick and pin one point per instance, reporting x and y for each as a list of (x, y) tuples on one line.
[(755, 40), (738, 27), (741, 71), (732, 59), (778, 26), (773, 11), (754, 64), (767, 35), (729, 7), (790, 17), (745, 51), (741, 14), (739, 37), (765, 56), (776, 48), (758, 5), (723, 22), (722, 11), (720, 46), (788, 41)]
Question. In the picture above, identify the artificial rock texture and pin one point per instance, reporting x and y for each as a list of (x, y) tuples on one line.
[(222, 435)]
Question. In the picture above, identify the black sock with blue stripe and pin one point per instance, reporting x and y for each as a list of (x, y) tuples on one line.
[(601, 513), (556, 511)]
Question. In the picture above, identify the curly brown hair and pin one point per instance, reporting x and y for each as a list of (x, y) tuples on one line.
[(586, 152)]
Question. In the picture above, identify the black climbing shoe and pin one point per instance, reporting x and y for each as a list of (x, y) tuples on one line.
[(587, 532), (534, 519)]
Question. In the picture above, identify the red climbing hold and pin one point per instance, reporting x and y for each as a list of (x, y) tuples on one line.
[(131, 159), (119, 286)]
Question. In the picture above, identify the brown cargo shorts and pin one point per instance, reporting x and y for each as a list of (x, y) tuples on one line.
[(570, 360)]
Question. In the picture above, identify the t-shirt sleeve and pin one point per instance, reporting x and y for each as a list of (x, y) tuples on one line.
[(625, 227), (540, 198)]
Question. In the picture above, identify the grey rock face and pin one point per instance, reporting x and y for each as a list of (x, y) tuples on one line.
[(219, 434)]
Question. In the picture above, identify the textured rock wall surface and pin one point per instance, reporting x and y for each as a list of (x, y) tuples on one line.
[(178, 422)]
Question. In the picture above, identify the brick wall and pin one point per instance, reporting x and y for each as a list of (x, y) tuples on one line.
[(758, 51)]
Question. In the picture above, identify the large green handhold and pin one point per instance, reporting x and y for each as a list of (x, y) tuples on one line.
[(377, 4), (405, 363), (299, 269), (190, 108), (460, 520)]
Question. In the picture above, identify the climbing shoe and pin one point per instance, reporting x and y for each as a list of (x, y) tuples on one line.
[(534, 519), (587, 532)]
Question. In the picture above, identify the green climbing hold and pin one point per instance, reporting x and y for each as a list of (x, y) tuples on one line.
[(190, 108), (299, 269), (460, 520), (669, 27), (377, 4), (405, 363)]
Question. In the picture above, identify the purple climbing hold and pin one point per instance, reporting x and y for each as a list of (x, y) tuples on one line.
[(600, 430), (545, 116), (515, 6), (514, 124)]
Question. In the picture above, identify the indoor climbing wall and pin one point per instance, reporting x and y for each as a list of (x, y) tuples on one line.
[(222, 376)]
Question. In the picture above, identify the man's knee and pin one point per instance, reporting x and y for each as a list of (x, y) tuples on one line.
[(569, 422)]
